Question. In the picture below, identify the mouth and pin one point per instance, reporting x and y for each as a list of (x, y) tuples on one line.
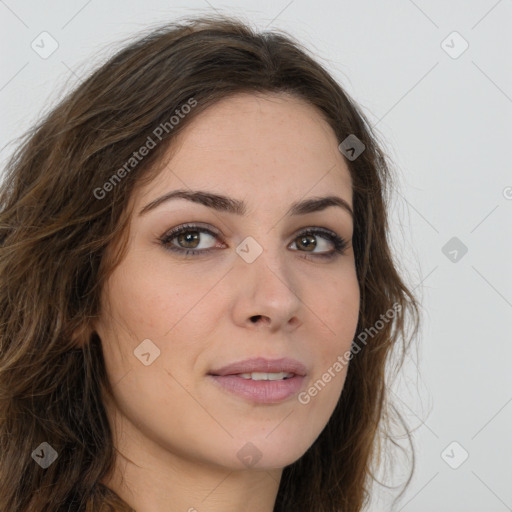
[(261, 366), (266, 375), (261, 380)]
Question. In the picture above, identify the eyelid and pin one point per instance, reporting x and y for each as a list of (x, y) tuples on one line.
[(195, 226), (340, 243)]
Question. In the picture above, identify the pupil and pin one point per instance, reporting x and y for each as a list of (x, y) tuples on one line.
[(189, 238), (308, 244)]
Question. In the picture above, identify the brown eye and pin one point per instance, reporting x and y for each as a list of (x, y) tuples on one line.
[(187, 238), (320, 238), (307, 241)]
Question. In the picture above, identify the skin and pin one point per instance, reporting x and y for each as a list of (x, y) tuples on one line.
[(178, 434)]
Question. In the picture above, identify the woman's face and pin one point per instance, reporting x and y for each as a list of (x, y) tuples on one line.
[(256, 288)]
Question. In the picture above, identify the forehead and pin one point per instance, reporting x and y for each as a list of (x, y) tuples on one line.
[(272, 145)]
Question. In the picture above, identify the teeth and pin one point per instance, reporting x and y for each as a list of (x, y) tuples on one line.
[(266, 376)]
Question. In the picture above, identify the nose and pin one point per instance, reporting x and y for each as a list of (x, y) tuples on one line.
[(266, 295)]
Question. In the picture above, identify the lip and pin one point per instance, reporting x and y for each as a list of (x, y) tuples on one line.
[(261, 391), (261, 364)]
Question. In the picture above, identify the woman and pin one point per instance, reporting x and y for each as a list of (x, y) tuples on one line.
[(144, 370)]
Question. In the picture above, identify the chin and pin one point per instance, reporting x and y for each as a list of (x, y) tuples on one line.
[(272, 452)]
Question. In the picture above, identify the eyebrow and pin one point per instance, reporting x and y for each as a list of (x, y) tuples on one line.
[(230, 205)]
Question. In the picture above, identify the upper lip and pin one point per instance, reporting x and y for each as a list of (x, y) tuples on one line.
[(260, 364)]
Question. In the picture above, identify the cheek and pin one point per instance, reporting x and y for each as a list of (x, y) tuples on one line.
[(337, 309), (158, 303), (152, 300)]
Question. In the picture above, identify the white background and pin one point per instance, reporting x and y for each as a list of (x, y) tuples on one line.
[(444, 121)]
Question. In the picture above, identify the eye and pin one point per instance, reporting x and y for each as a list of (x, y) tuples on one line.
[(308, 239), (188, 239)]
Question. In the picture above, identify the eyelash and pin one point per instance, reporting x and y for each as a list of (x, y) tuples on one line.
[(340, 244)]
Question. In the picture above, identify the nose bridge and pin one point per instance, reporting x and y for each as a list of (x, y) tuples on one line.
[(266, 283), (264, 251)]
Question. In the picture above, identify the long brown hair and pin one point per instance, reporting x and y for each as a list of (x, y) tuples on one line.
[(64, 201)]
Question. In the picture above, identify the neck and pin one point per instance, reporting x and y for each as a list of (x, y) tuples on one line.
[(151, 479)]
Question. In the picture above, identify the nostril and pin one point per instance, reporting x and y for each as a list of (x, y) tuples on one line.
[(255, 318)]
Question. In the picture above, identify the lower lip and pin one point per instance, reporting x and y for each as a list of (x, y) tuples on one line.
[(260, 391)]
